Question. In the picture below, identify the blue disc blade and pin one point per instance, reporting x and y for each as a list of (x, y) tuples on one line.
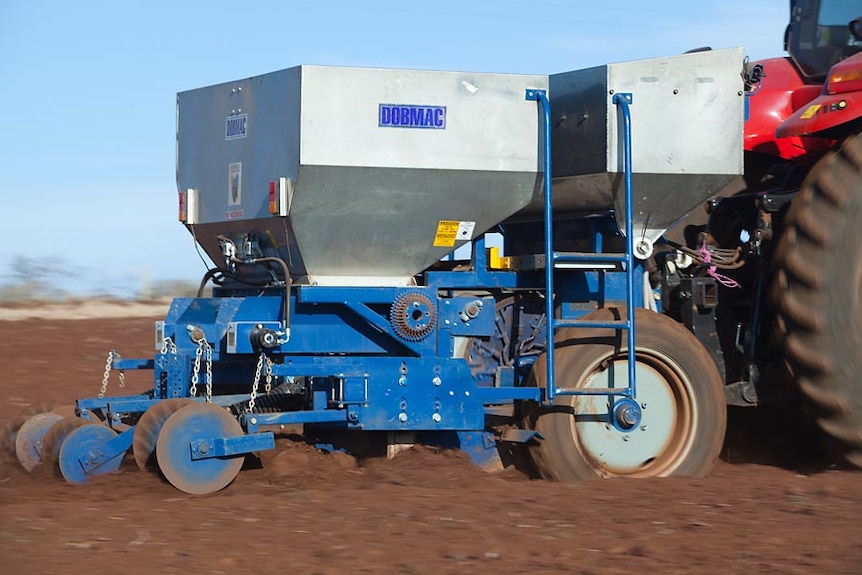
[(82, 454), (195, 422)]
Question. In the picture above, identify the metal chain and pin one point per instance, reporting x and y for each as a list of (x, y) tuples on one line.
[(268, 387), (109, 363), (209, 354), (193, 390), (254, 383), (107, 375), (168, 346), (204, 349)]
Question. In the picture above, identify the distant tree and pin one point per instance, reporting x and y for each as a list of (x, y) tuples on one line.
[(160, 289), (32, 278)]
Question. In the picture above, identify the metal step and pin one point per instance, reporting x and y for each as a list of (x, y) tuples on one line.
[(619, 324), (570, 260)]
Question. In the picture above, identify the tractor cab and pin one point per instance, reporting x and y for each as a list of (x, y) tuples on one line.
[(822, 33), (824, 40)]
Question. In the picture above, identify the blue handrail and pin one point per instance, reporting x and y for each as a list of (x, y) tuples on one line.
[(542, 97), (551, 257), (623, 101)]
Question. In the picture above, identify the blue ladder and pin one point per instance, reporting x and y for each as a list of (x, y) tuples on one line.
[(627, 410)]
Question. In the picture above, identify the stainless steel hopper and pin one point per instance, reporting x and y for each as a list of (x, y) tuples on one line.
[(687, 123), (355, 176)]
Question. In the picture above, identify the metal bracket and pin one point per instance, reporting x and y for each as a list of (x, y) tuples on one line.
[(231, 446), (520, 435), (621, 96), (95, 457)]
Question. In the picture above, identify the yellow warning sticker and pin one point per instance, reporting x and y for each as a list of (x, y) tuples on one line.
[(447, 231), (450, 231), (810, 112)]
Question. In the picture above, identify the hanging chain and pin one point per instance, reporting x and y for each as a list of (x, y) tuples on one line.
[(107, 375), (109, 363), (168, 346), (205, 351), (268, 387), (254, 384), (261, 361), (209, 357), (193, 390)]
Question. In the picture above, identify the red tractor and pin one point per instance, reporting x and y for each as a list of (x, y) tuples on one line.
[(788, 319)]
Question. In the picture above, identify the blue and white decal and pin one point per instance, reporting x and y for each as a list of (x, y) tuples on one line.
[(411, 116), (236, 127)]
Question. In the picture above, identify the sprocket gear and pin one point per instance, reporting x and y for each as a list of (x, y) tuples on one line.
[(413, 316)]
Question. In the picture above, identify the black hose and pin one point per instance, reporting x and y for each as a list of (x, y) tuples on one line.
[(288, 281), (226, 273), (210, 275), (288, 284)]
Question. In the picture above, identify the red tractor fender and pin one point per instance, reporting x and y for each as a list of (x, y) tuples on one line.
[(781, 93), (839, 102)]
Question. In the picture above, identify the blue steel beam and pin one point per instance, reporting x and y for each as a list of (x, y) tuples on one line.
[(97, 456), (231, 446)]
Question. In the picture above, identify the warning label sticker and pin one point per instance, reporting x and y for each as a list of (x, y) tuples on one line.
[(234, 184), (450, 231), (810, 112)]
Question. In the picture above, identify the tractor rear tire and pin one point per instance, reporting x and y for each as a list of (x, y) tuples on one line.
[(679, 389), (818, 291)]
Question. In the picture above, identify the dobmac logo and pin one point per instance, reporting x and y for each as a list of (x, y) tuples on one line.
[(411, 116), (236, 127)]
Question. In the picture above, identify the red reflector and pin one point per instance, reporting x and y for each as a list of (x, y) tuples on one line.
[(182, 206), (273, 198)]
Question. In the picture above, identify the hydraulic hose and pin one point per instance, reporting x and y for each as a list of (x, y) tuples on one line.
[(288, 283)]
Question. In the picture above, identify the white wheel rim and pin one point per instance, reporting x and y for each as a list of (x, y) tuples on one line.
[(665, 435)]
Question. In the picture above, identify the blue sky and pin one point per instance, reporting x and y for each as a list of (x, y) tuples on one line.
[(87, 93)]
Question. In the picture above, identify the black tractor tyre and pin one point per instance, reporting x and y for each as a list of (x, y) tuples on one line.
[(684, 413), (818, 294)]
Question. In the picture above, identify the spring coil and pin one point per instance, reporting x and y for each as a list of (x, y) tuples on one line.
[(278, 400)]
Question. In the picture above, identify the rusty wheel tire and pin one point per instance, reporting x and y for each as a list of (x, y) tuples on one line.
[(818, 292), (678, 386)]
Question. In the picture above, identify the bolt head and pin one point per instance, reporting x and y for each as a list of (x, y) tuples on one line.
[(436, 417), (629, 416), (402, 417)]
